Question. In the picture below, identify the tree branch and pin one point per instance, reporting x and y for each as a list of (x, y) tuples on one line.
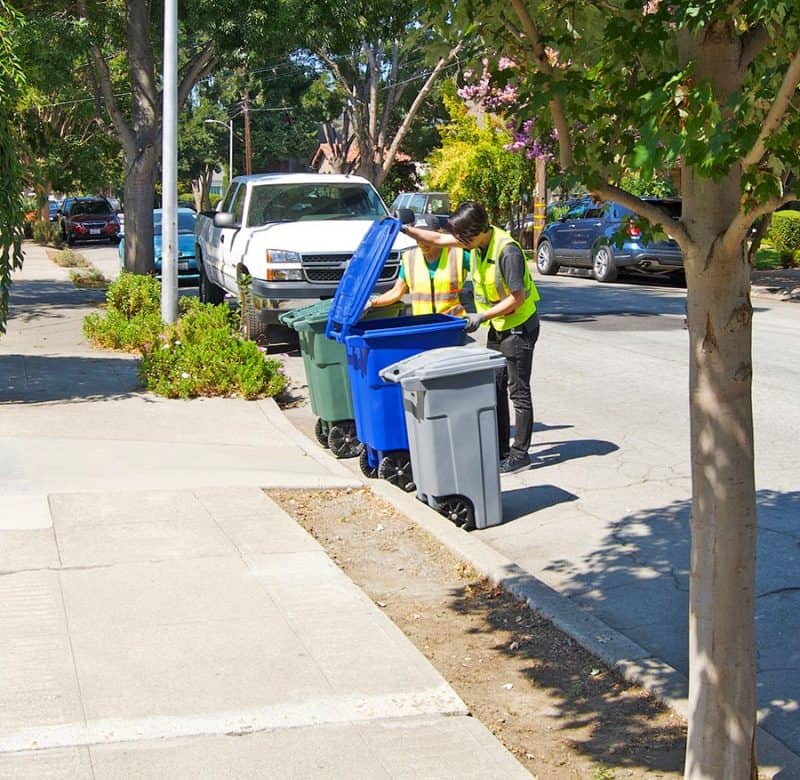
[(655, 215), (531, 32), (776, 113), (197, 67)]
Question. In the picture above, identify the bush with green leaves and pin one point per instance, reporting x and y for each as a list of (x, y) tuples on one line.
[(132, 319), (784, 235), (202, 355), (69, 258), (45, 232)]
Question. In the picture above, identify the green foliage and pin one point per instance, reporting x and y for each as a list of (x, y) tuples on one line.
[(46, 232), (11, 207), (68, 258), (784, 235), (473, 164), (88, 277), (655, 187), (203, 355), (132, 319)]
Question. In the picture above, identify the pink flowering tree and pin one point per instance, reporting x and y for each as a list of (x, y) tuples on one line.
[(708, 90)]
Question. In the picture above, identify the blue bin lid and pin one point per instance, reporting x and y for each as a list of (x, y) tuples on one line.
[(360, 276)]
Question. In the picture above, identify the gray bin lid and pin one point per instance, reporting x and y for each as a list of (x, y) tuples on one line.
[(444, 361)]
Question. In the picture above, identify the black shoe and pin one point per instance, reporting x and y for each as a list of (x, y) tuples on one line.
[(514, 463)]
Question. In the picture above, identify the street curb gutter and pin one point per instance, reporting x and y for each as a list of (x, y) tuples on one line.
[(617, 651)]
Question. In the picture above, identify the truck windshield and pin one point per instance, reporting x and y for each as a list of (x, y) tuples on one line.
[(312, 202)]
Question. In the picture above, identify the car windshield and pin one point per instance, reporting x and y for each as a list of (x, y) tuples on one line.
[(312, 202), (99, 207), (185, 222)]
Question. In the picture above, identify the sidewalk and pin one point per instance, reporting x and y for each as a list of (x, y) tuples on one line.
[(161, 616)]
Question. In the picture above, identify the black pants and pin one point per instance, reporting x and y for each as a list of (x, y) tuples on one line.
[(514, 382)]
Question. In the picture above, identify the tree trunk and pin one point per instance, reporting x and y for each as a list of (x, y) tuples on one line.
[(139, 191), (722, 695)]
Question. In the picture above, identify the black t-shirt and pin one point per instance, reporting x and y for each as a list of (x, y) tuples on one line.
[(512, 267)]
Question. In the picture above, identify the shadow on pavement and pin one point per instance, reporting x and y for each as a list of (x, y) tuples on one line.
[(562, 451), (37, 300), (32, 379), (638, 583), (523, 501)]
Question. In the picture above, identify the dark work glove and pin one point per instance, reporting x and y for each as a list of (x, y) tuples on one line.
[(473, 322)]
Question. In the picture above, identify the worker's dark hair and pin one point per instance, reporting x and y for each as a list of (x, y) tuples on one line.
[(469, 220)]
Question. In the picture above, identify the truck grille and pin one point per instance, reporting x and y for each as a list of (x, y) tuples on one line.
[(322, 269)]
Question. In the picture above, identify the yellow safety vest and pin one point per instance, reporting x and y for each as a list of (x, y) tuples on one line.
[(489, 287), (440, 294)]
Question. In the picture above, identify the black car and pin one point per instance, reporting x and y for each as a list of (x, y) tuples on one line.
[(588, 236), (88, 219)]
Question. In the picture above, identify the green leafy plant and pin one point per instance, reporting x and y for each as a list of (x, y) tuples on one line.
[(45, 232), (202, 355), (784, 235), (88, 277), (68, 258), (132, 319)]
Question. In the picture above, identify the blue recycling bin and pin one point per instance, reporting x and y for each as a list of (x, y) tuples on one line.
[(371, 345)]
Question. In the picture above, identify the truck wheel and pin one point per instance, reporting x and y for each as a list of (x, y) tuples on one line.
[(209, 292), (253, 327)]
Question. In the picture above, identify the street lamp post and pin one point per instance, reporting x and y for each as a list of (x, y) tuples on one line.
[(229, 125)]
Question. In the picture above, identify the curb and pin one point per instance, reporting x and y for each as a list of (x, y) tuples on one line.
[(637, 665)]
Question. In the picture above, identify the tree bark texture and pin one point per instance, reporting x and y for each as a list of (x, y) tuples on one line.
[(139, 189), (722, 694)]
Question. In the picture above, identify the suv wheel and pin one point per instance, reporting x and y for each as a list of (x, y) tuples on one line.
[(545, 263), (604, 268)]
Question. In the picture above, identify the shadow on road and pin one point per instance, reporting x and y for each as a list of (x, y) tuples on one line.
[(523, 501), (562, 451), (638, 583)]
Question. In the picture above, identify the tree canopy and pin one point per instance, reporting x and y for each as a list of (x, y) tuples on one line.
[(11, 216)]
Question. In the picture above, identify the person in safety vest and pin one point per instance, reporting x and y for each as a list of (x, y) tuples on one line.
[(433, 276), (505, 299)]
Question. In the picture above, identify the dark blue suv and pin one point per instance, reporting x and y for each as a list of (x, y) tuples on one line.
[(584, 237)]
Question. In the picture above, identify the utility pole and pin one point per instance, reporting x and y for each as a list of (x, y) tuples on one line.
[(169, 167), (539, 199), (248, 150)]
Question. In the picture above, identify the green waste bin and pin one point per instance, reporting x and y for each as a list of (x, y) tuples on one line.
[(325, 364)]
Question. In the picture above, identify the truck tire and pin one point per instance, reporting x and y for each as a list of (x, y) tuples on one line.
[(253, 327), (209, 292)]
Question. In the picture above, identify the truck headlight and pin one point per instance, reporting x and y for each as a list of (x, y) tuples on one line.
[(284, 266)]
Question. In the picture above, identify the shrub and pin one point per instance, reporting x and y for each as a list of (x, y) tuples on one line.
[(88, 277), (132, 319), (67, 258), (45, 232), (784, 235), (202, 354)]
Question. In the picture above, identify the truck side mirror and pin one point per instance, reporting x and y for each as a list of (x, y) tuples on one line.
[(224, 219)]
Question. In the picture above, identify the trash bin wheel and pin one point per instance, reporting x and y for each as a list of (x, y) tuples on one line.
[(343, 441), (396, 468), (320, 432), (366, 469), (459, 511)]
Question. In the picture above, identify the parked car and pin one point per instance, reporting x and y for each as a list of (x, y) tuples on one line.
[(422, 203), (187, 261), (88, 219), (586, 237)]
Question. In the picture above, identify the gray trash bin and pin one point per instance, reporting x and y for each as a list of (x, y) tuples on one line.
[(450, 408)]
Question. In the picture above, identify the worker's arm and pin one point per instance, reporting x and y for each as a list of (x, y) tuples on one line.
[(431, 236), (398, 290)]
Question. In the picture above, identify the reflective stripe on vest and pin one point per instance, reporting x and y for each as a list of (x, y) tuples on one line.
[(489, 286), (440, 294)]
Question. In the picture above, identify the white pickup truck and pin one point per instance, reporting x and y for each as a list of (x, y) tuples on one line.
[(279, 237)]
